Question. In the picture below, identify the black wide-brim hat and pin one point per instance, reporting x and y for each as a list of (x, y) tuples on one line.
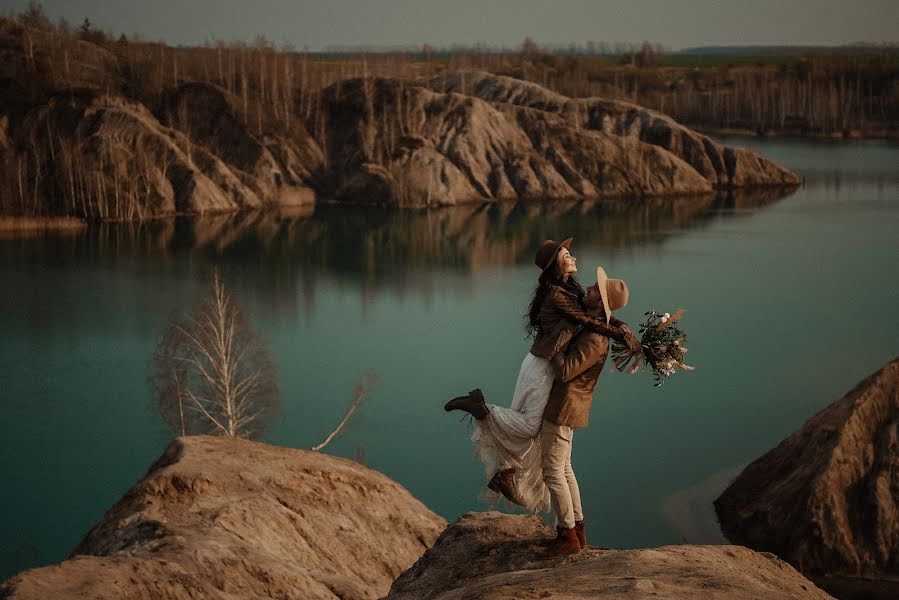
[(547, 251)]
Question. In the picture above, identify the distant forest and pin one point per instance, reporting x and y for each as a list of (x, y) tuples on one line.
[(852, 90)]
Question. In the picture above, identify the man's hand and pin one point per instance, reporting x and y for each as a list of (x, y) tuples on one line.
[(632, 342)]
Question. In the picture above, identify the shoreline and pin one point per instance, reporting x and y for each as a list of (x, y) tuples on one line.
[(891, 135), (13, 226)]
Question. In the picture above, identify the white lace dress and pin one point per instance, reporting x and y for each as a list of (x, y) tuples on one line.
[(508, 437)]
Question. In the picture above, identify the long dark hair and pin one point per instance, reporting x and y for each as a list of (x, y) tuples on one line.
[(552, 276)]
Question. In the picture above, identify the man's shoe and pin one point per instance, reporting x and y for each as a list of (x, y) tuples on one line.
[(566, 543), (472, 402), (503, 482), (581, 535), (549, 541)]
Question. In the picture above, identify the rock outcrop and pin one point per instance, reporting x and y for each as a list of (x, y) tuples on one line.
[(220, 518), (491, 556), (102, 156), (474, 136), (826, 499), (721, 166)]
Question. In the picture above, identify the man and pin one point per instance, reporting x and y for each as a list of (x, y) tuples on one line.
[(577, 370)]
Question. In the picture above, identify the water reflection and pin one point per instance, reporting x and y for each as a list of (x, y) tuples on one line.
[(379, 244), (281, 259)]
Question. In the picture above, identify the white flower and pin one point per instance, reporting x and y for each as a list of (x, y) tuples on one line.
[(666, 316), (664, 319)]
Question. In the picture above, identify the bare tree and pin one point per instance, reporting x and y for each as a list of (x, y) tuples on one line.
[(213, 373), (34, 16)]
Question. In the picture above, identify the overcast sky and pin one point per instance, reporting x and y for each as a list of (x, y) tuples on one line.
[(316, 25)]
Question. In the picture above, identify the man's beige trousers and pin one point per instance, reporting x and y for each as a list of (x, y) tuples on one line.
[(558, 475)]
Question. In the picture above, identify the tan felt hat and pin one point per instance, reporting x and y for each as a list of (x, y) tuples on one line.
[(614, 292)]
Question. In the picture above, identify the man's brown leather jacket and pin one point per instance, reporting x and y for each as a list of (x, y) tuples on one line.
[(577, 370)]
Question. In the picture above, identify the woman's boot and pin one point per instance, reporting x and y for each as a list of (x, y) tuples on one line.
[(472, 402), (503, 482)]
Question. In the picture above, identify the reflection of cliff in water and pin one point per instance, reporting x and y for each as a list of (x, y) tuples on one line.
[(278, 255)]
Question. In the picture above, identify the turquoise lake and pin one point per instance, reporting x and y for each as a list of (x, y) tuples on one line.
[(791, 299)]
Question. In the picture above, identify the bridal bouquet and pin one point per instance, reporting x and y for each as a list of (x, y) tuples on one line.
[(663, 346)]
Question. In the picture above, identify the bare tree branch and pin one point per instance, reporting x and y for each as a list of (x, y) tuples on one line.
[(360, 392)]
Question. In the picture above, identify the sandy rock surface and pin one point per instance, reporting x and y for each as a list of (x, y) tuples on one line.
[(219, 518), (826, 499), (492, 556)]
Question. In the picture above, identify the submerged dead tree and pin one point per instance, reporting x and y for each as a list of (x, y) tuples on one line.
[(213, 373)]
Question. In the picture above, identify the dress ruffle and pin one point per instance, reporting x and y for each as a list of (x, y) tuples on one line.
[(508, 437)]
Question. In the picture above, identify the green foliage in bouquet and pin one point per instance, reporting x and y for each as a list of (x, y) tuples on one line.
[(663, 345)]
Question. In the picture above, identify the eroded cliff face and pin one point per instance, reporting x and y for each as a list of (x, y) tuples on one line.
[(721, 166), (465, 137), (221, 518), (100, 156), (473, 136), (491, 556), (826, 499)]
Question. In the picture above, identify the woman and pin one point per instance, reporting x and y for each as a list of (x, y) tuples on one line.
[(506, 438)]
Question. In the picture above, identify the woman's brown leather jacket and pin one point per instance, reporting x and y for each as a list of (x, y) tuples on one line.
[(560, 315)]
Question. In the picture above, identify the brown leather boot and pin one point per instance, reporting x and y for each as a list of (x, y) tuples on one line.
[(581, 535), (566, 543), (549, 541), (472, 402), (503, 482)]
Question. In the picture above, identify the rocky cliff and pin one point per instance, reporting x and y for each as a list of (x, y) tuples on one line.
[(628, 123), (826, 499), (101, 156), (491, 556), (94, 132), (473, 136), (371, 141), (220, 518)]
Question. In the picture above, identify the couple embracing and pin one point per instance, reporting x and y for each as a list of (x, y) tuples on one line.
[(526, 448)]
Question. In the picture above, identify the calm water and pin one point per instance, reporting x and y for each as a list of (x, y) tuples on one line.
[(790, 301)]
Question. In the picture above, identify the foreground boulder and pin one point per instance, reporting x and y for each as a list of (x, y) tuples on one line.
[(491, 556), (220, 518), (826, 499)]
